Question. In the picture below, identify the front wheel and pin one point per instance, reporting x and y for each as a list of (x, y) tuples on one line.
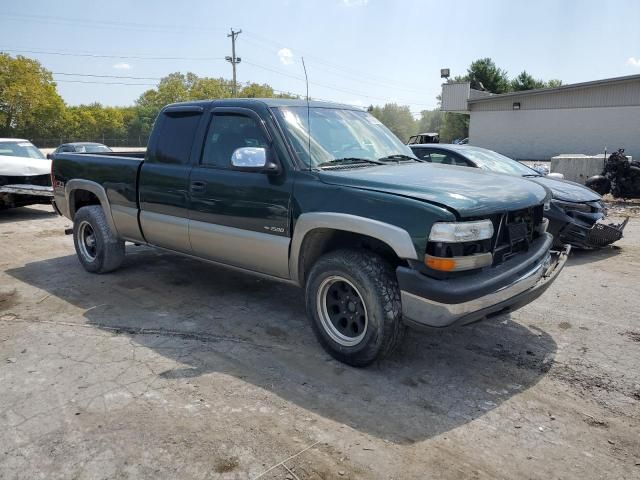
[(98, 248), (353, 301)]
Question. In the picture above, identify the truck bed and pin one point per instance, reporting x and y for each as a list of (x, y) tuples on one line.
[(115, 173)]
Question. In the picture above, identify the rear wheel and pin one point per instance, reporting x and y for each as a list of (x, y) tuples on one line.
[(98, 248), (353, 301)]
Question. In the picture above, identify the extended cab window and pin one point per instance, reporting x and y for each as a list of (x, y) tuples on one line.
[(176, 138), (228, 132)]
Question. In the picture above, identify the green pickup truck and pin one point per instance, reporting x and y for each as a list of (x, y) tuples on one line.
[(325, 197)]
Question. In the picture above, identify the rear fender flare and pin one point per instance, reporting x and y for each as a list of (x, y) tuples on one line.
[(98, 190)]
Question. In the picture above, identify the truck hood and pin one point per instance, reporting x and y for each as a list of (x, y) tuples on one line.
[(470, 192), (566, 190), (23, 166)]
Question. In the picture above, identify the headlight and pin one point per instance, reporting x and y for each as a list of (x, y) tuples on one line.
[(455, 232), (571, 206)]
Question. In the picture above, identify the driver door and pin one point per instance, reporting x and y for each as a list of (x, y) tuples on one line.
[(239, 218)]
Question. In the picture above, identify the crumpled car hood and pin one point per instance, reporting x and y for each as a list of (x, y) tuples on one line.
[(470, 192), (23, 167), (567, 190)]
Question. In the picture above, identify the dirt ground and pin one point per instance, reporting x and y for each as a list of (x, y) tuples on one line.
[(170, 368)]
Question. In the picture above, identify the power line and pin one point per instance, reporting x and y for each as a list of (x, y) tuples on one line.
[(227, 84), (105, 76), (257, 65), (107, 24), (390, 81), (95, 55), (343, 72), (106, 83), (165, 28), (330, 87)]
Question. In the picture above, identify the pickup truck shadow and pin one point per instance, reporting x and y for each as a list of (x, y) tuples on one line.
[(211, 319), (582, 257), (23, 214)]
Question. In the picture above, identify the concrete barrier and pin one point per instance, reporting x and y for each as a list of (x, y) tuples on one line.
[(577, 167)]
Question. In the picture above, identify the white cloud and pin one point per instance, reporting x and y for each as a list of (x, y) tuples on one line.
[(633, 62), (286, 56), (122, 66), (355, 3)]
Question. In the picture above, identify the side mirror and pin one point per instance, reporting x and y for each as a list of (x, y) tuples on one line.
[(253, 159)]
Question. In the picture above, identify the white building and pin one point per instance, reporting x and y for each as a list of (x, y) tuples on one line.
[(539, 124)]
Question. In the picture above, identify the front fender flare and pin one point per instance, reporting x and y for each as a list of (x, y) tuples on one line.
[(397, 238)]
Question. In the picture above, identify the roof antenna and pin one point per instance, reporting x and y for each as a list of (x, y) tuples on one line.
[(306, 79)]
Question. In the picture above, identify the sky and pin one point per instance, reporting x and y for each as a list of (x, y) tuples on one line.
[(359, 52)]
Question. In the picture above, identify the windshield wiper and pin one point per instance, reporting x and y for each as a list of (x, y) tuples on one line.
[(532, 175), (348, 160), (398, 157)]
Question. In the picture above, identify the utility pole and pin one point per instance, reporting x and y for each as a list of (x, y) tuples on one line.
[(233, 60)]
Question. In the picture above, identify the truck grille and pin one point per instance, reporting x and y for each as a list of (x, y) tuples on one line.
[(514, 232)]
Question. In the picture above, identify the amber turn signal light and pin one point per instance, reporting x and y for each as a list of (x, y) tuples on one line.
[(456, 264)]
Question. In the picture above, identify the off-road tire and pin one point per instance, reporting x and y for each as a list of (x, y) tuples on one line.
[(375, 281), (109, 249)]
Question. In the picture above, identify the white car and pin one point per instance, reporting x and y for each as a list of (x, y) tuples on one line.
[(25, 174)]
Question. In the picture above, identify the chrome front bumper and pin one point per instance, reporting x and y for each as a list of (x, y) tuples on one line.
[(420, 311)]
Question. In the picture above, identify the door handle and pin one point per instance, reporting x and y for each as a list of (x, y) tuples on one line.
[(198, 186)]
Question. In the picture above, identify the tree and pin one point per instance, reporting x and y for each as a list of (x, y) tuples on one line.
[(180, 87), (97, 123), (484, 75), (455, 126), (29, 103), (397, 118), (524, 81), (430, 121)]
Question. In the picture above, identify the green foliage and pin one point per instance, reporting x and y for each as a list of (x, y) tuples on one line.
[(29, 102), (524, 81), (397, 118), (94, 121), (31, 107), (455, 126), (429, 121), (484, 75), (178, 87)]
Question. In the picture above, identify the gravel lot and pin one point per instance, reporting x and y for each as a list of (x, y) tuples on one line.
[(170, 368)]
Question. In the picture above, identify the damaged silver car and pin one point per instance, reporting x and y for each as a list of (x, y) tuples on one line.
[(25, 174), (576, 214)]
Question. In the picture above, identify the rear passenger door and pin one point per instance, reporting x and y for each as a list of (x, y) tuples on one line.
[(164, 178), (239, 218)]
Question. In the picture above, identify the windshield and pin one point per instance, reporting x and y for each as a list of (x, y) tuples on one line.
[(92, 148), (20, 149), (338, 134), (494, 162)]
